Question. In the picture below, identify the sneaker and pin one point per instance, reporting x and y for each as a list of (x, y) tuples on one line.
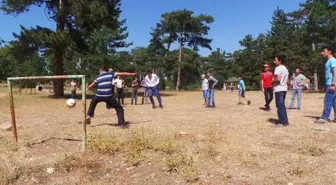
[(153, 106), (88, 120), (249, 102), (291, 108), (279, 125), (240, 103), (321, 121), (298, 108), (161, 106)]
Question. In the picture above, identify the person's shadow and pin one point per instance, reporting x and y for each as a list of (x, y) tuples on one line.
[(273, 121)]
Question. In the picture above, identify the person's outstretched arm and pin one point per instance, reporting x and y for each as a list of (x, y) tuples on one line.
[(125, 74), (89, 87)]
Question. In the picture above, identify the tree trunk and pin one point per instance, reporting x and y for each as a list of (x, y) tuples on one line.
[(315, 80), (178, 81), (58, 67)]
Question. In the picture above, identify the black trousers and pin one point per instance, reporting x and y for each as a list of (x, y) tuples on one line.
[(120, 92), (268, 92), (110, 102)]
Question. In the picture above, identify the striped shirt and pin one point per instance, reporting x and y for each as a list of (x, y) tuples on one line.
[(104, 82)]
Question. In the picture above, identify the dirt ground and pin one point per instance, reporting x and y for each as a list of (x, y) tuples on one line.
[(184, 143)]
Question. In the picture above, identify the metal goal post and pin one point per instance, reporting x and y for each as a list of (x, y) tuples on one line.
[(11, 100)]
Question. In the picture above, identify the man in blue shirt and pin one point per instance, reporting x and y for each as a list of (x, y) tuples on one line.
[(330, 76), (241, 91), (104, 94)]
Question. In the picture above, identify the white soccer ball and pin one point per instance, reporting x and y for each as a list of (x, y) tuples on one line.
[(71, 103)]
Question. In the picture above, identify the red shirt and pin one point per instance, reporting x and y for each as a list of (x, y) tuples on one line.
[(267, 79)]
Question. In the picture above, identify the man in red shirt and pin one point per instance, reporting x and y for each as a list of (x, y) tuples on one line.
[(266, 79)]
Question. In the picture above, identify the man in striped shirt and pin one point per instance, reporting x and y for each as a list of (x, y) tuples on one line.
[(104, 94)]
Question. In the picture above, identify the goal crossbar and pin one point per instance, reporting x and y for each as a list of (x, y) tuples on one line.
[(11, 100)]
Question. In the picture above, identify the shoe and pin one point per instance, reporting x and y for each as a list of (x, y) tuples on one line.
[(161, 106), (124, 125), (240, 103), (291, 108), (249, 102), (88, 120), (298, 108), (153, 106), (321, 121)]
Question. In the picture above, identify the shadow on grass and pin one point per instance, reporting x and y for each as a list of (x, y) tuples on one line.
[(314, 117), (51, 138), (116, 124), (273, 121), (264, 109)]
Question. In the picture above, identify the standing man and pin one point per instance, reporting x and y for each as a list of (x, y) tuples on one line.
[(120, 83), (241, 91), (145, 91), (135, 86), (104, 94), (73, 85), (205, 88), (298, 80), (211, 91), (266, 85), (280, 89), (152, 82), (330, 76)]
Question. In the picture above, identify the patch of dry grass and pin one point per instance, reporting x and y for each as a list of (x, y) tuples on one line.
[(104, 144), (85, 163)]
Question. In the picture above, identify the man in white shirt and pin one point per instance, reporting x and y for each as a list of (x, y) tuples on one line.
[(120, 83), (298, 80), (152, 82), (73, 85), (205, 88), (280, 89)]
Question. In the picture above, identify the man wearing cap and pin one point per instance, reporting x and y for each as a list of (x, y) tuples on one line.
[(266, 86)]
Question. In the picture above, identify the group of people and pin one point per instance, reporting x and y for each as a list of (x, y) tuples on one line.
[(208, 89), (105, 86), (278, 83)]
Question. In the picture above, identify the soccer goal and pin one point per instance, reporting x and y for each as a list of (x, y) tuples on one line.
[(11, 100)]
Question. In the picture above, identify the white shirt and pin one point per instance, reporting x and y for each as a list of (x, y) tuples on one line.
[(152, 82), (298, 80), (118, 83), (205, 84), (283, 72)]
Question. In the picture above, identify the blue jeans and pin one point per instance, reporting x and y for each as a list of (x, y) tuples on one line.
[(151, 91), (211, 97), (280, 98), (329, 101), (296, 92), (73, 94), (134, 95)]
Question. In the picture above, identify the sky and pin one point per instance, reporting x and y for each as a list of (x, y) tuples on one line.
[(233, 19)]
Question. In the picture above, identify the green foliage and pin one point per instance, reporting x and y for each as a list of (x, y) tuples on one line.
[(90, 34)]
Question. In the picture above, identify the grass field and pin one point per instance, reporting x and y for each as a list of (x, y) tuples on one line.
[(184, 143)]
